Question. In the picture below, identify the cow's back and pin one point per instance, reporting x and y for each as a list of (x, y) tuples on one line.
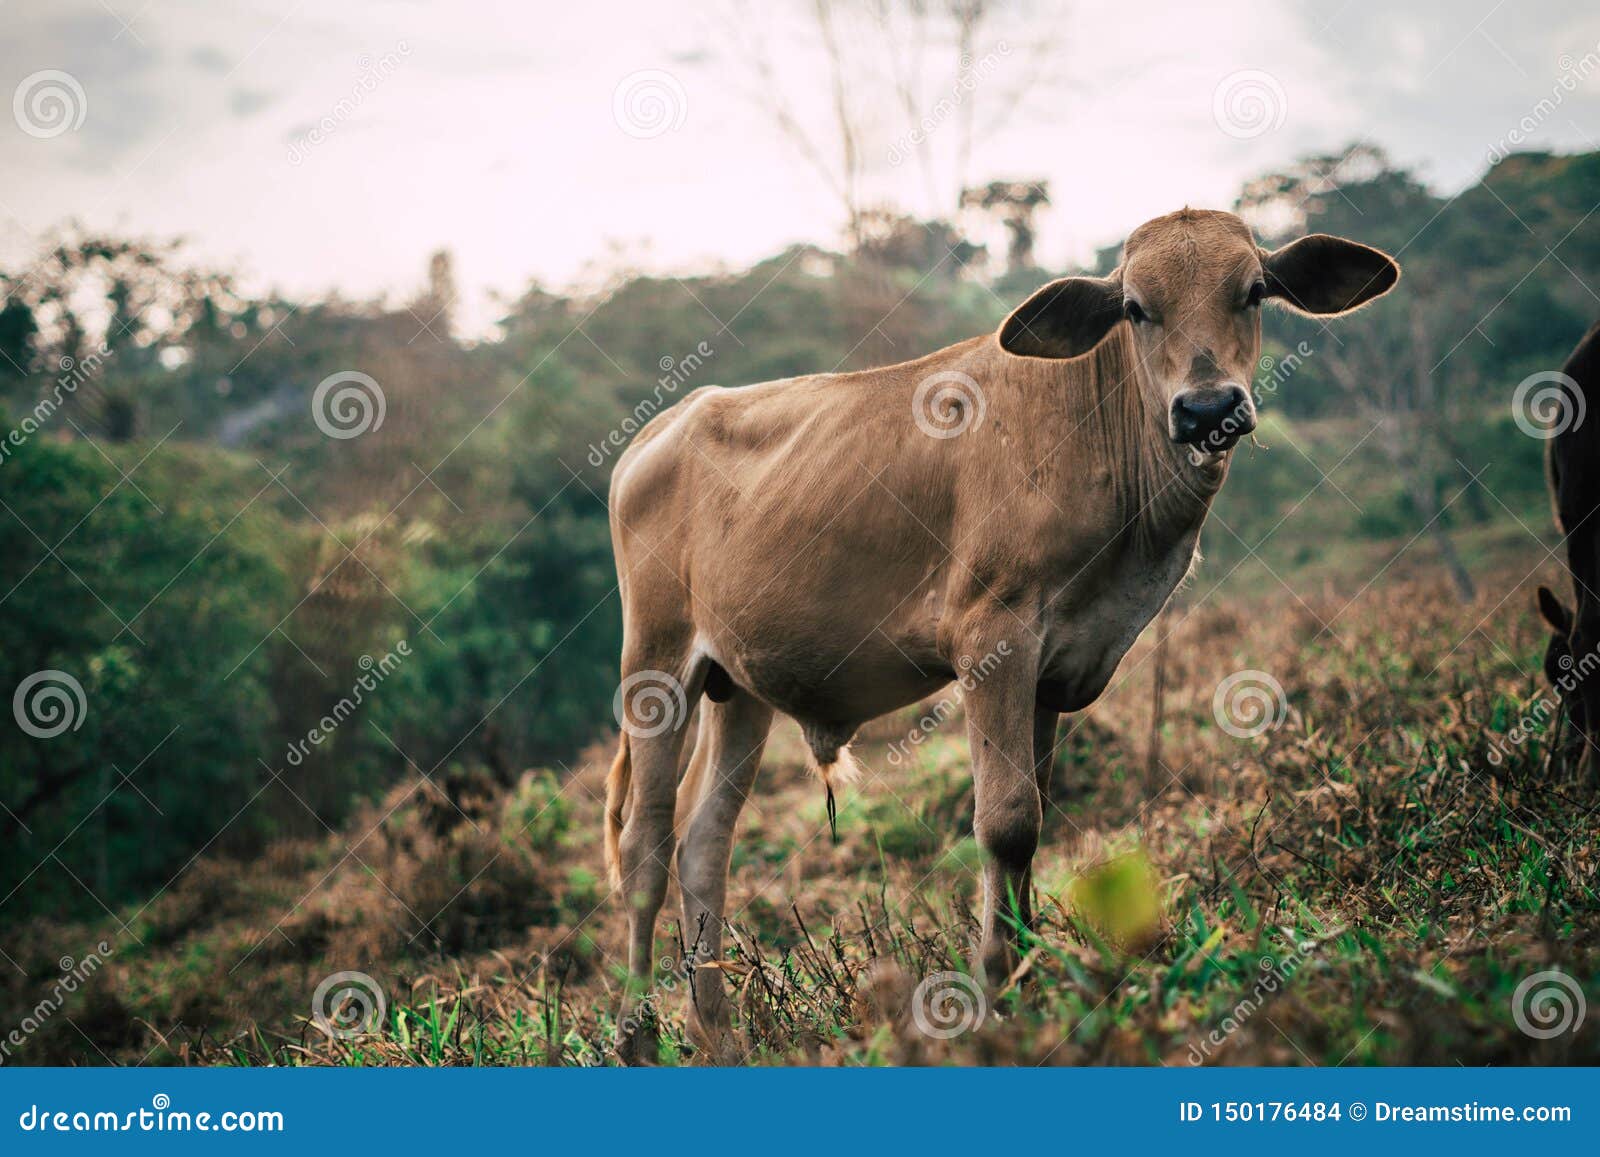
[(1573, 466)]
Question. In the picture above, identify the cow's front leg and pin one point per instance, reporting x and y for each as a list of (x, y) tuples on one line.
[(1007, 810)]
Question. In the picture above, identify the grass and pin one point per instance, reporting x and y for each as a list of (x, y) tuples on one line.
[(1360, 884)]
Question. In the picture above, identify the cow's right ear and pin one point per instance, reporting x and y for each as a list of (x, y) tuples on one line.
[(1064, 319), (1327, 275), (1559, 618)]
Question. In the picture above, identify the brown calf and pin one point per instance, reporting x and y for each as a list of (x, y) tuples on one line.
[(839, 546)]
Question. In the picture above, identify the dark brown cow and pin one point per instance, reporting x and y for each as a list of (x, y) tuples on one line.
[(1572, 465), (841, 545)]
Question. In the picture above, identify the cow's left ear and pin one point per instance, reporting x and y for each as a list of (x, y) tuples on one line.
[(1556, 615), (1325, 275), (1066, 318)]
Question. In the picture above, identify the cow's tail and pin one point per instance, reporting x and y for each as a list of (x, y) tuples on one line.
[(619, 786)]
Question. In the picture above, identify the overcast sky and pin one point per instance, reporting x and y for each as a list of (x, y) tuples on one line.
[(316, 146)]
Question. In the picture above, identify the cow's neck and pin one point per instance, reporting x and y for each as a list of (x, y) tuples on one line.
[(1171, 495), (1162, 496)]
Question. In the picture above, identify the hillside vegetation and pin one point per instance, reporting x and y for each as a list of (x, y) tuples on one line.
[(347, 693), (1360, 884)]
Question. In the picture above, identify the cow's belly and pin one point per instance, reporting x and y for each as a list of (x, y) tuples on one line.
[(841, 636), (859, 687), (822, 658)]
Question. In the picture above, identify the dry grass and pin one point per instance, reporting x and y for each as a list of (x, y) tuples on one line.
[(1371, 823)]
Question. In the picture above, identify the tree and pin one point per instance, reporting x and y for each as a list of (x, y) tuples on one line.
[(1013, 204), (434, 310), (1386, 372), (89, 301), (907, 82), (895, 241), (121, 626), (18, 333), (1383, 360)]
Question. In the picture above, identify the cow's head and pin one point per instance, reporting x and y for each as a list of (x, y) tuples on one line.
[(1569, 661), (1191, 285)]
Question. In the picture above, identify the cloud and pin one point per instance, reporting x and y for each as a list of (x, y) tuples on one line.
[(192, 116), (118, 69), (209, 58), (246, 102)]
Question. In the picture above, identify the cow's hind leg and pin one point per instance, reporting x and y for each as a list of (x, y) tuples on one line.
[(654, 699), (1045, 721), (732, 736)]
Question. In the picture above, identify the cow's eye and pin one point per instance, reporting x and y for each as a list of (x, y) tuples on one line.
[(1257, 294), (1135, 312)]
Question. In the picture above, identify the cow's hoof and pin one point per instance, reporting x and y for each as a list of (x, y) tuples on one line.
[(997, 960), (639, 1042)]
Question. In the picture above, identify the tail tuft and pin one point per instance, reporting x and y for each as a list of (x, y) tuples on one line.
[(619, 786), (842, 769)]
